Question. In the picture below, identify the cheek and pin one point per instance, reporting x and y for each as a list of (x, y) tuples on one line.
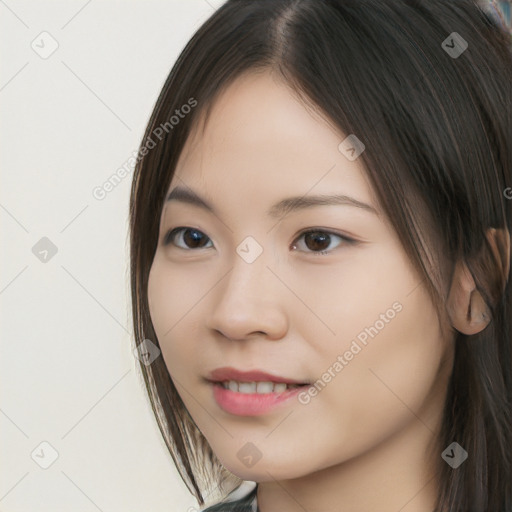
[(392, 379), (161, 302), (172, 297), (169, 299), (349, 295), (388, 336)]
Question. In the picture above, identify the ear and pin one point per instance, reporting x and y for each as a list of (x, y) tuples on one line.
[(467, 310)]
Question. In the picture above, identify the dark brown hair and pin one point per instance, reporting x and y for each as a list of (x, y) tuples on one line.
[(437, 130)]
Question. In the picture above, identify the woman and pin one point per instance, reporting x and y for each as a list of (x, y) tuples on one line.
[(320, 248)]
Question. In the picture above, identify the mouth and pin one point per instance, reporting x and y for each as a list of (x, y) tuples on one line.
[(253, 392), (257, 387)]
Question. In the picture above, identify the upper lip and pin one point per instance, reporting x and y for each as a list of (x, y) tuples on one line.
[(227, 373)]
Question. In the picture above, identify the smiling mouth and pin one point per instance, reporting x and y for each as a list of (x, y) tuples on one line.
[(260, 387)]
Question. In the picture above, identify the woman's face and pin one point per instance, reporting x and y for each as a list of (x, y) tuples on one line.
[(244, 287)]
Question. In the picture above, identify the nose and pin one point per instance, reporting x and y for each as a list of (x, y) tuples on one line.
[(249, 300)]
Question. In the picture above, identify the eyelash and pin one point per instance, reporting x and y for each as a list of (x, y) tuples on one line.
[(169, 237)]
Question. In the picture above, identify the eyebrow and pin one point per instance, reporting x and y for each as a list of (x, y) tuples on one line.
[(186, 195)]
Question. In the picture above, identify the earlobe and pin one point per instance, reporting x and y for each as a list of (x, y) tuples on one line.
[(466, 308)]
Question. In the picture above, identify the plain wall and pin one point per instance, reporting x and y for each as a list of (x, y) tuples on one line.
[(69, 120)]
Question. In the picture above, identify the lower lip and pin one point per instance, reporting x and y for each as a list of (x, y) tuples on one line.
[(251, 404)]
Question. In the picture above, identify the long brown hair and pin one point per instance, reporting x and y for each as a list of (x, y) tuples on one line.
[(438, 134)]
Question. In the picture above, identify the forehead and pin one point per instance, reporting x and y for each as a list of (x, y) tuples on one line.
[(260, 138), (255, 108)]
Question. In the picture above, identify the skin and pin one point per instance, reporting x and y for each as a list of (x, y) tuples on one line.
[(367, 441)]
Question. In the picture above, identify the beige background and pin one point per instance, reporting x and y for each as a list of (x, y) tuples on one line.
[(70, 119)]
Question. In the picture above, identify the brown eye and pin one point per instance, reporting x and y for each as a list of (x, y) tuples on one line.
[(192, 238), (318, 241)]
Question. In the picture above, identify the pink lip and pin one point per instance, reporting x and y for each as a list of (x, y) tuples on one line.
[(250, 404), (227, 373)]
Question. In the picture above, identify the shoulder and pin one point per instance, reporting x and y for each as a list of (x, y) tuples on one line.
[(234, 503)]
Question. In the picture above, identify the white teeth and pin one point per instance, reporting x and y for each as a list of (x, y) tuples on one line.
[(264, 387), (280, 387), (257, 387), (247, 387)]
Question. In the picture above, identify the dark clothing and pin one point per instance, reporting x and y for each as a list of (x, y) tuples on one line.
[(247, 503)]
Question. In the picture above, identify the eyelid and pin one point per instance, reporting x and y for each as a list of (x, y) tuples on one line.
[(329, 231), (172, 232), (346, 240)]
